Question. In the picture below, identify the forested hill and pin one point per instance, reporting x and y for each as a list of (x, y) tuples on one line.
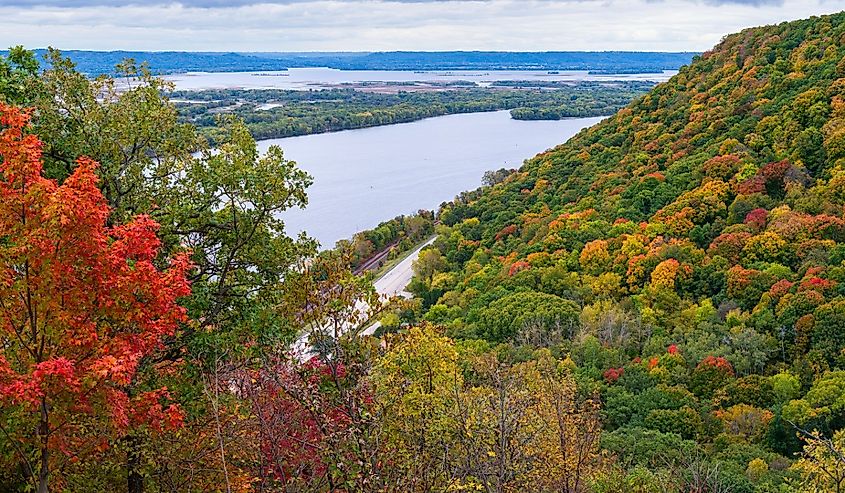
[(706, 217), (733, 165)]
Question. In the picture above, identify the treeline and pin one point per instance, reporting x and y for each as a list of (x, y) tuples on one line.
[(289, 113)]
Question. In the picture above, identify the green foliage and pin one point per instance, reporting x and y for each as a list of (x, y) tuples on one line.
[(524, 314), (18, 76), (272, 113), (647, 448), (823, 406), (705, 217)]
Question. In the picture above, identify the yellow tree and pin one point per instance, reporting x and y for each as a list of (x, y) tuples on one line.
[(525, 429), (566, 448), (822, 466), (415, 383)]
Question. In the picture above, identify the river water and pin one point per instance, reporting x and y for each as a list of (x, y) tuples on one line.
[(363, 177), (319, 78)]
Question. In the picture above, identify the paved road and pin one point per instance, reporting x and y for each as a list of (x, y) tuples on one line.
[(392, 283), (397, 279)]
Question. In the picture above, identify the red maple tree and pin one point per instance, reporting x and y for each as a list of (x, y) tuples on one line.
[(81, 304)]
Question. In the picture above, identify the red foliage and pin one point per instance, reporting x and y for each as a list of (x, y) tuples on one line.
[(770, 176), (827, 227), (775, 172), (518, 266), (83, 303), (611, 375), (780, 288), (757, 218), (816, 284), (672, 349), (506, 231), (299, 416), (729, 245), (755, 184), (716, 363)]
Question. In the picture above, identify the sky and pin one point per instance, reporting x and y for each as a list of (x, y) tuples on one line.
[(383, 25)]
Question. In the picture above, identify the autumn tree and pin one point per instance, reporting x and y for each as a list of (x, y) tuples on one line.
[(416, 383), (312, 409), (83, 304), (524, 427), (568, 448), (822, 465), (223, 205)]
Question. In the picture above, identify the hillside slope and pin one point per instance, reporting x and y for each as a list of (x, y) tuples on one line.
[(733, 169), (706, 217)]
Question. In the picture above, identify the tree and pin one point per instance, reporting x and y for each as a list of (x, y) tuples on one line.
[(568, 446), (224, 205), (711, 374), (18, 73), (427, 265), (82, 304), (745, 421), (130, 129), (416, 382), (540, 317), (823, 406), (524, 428), (312, 407), (822, 466)]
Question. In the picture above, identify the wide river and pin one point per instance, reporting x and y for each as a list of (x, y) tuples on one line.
[(319, 78), (363, 177)]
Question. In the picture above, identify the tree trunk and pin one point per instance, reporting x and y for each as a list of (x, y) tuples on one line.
[(44, 434), (134, 480)]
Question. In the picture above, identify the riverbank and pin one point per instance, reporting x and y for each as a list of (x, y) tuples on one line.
[(271, 114), (363, 176)]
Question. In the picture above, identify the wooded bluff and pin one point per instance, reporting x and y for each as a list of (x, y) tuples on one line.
[(654, 306)]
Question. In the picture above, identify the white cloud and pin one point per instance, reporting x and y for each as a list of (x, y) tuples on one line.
[(367, 25)]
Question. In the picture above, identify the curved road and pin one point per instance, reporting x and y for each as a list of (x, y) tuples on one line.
[(394, 281)]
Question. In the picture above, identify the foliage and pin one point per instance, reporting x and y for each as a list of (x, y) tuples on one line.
[(706, 216), (83, 304), (276, 113)]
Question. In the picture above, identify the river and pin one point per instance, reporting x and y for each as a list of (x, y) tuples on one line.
[(321, 78), (363, 177)]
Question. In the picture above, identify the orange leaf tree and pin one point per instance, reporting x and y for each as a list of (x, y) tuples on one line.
[(81, 304)]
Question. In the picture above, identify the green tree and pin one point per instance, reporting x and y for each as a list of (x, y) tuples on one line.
[(18, 76), (539, 317)]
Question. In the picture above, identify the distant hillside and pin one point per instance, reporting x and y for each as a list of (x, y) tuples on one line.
[(103, 62), (610, 61), (168, 62)]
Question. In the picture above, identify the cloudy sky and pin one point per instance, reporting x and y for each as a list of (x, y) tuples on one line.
[(370, 25)]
